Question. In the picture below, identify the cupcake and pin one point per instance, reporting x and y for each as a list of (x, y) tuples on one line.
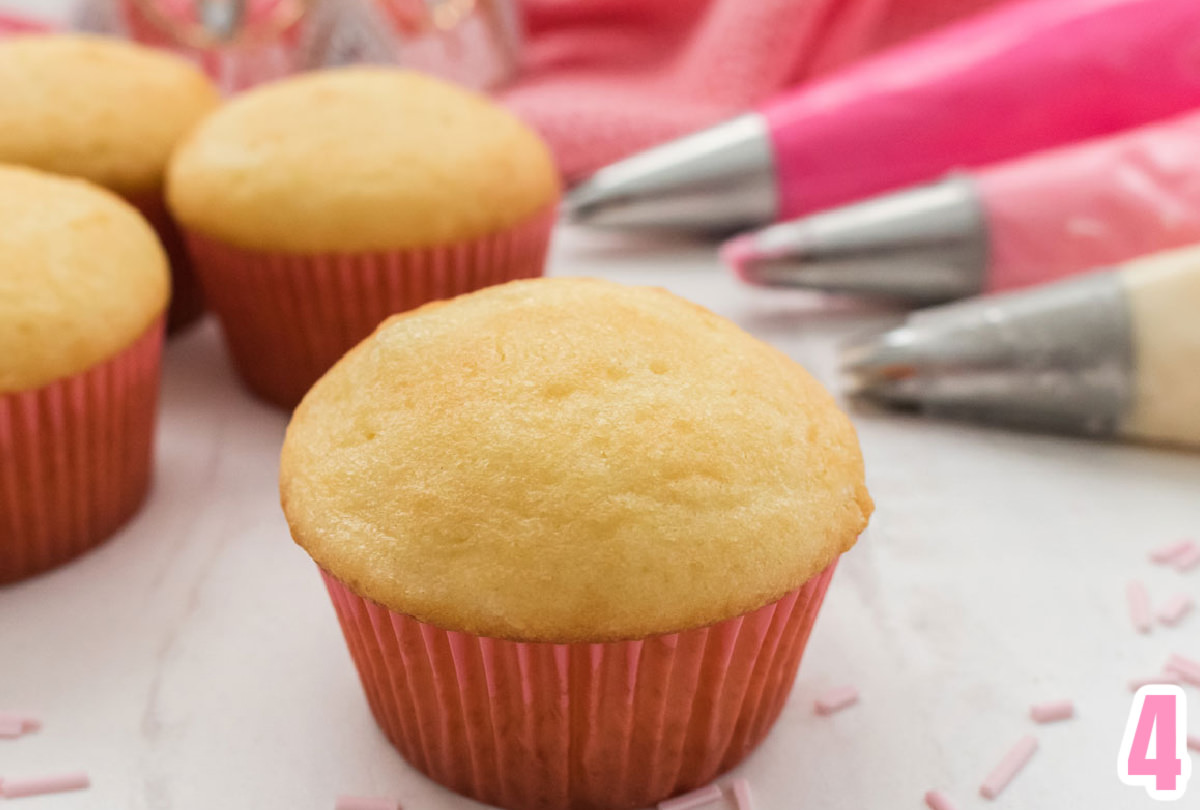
[(317, 206), (576, 535), (110, 112), (83, 292)]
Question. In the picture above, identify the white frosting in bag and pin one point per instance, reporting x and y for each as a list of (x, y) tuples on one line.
[(1164, 298)]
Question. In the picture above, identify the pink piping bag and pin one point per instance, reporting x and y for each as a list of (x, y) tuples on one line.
[(1026, 221), (1103, 202)]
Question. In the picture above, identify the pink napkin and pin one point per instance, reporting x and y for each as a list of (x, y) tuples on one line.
[(604, 78)]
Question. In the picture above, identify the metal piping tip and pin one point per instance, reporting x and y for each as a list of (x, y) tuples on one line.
[(873, 366), (1058, 358), (719, 180), (922, 245)]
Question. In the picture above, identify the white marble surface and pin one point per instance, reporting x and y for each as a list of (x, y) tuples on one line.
[(194, 663)]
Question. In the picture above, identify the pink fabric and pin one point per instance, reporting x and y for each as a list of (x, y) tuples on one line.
[(605, 78)]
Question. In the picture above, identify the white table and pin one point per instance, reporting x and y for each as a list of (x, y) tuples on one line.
[(194, 662)]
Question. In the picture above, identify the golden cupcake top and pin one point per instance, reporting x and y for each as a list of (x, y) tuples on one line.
[(82, 276), (105, 110), (570, 460), (359, 159)]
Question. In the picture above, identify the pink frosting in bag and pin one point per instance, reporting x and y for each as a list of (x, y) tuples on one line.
[(1100, 203), (1023, 77)]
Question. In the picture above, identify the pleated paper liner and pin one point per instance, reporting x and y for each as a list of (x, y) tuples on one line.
[(187, 301), (558, 726), (289, 317), (76, 458)]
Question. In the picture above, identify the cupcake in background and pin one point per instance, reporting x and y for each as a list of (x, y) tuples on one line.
[(110, 112), (83, 293), (317, 206), (576, 535)]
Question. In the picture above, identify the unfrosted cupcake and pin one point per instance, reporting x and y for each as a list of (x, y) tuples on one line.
[(110, 112), (576, 535), (83, 292), (317, 206)]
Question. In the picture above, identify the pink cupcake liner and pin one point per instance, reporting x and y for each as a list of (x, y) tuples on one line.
[(556, 726), (289, 317), (75, 458), (187, 300)]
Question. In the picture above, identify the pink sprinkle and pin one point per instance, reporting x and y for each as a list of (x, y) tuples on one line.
[(1166, 555), (1187, 560), (10, 729), (936, 800), (1194, 742), (696, 798), (1010, 766), (1139, 606), (1166, 679), (1175, 609), (836, 699), (1187, 669), (15, 788), (363, 803), (742, 798), (1052, 712), (28, 724)]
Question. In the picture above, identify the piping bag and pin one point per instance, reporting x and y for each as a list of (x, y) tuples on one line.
[(1109, 354), (1030, 220), (1023, 77)]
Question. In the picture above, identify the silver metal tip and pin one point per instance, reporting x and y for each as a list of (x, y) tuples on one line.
[(878, 369), (717, 180), (1054, 358), (582, 203), (921, 245)]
